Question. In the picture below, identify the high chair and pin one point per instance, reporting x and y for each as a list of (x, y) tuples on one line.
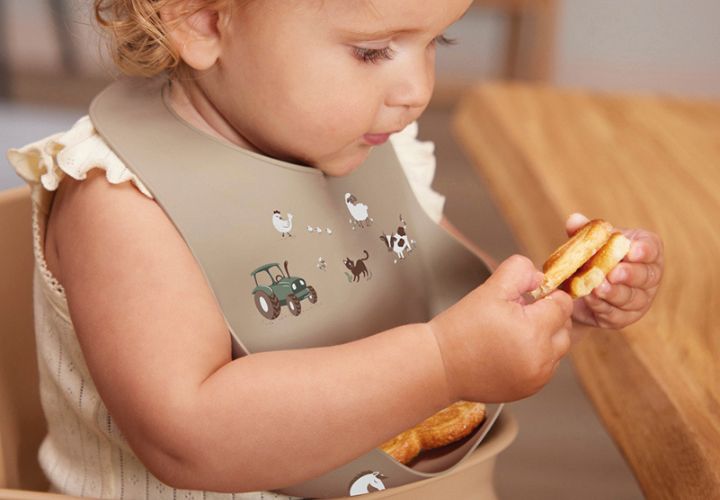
[(22, 425)]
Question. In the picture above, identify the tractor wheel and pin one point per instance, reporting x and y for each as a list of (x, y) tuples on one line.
[(293, 304), (268, 305), (312, 295)]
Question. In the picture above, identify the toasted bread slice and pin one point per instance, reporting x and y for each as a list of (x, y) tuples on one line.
[(446, 426), (572, 254), (403, 447), (450, 424), (593, 272)]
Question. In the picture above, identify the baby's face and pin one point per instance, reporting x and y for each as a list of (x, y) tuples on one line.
[(308, 80)]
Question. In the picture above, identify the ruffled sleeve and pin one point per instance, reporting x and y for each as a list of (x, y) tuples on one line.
[(418, 162), (74, 153)]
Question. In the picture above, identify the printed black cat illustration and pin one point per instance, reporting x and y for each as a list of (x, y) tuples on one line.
[(357, 268)]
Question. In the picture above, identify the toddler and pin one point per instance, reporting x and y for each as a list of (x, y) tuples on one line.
[(142, 394)]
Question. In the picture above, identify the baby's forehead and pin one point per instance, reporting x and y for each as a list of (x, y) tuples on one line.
[(366, 18), (369, 7), (376, 12)]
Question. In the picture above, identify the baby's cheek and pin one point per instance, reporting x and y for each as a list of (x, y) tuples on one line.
[(352, 113), (347, 127), (332, 119)]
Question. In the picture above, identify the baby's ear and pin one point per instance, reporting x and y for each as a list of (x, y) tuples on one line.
[(194, 33)]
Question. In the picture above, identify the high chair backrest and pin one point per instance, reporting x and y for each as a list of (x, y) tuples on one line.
[(22, 424)]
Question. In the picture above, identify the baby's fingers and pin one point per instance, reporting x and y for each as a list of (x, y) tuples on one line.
[(574, 222), (607, 315), (636, 275), (551, 313), (623, 297), (646, 247), (561, 342), (562, 339)]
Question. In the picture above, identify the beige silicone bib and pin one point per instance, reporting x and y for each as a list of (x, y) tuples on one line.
[(296, 258)]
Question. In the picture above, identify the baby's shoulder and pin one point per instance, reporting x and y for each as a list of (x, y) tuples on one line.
[(74, 153), (93, 217), (83, 194)]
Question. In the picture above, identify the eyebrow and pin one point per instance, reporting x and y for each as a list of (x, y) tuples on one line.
[(390, 32), (382, 33)]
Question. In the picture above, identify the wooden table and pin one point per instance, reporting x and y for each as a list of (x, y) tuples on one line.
[(637, 161)]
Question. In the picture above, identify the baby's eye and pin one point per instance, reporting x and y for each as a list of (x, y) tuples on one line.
[(443, 40), (373, 55)]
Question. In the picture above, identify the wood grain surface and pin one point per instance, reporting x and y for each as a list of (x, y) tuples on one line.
[(637, 161)]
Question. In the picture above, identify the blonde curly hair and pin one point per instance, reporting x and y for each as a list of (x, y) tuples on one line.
[(138, 38)]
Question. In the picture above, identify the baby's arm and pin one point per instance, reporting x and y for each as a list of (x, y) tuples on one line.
[(158, 350)]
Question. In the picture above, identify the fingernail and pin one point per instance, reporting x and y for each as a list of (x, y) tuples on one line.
[(577, 218), (636, 252), (604, 288), (619, 275)]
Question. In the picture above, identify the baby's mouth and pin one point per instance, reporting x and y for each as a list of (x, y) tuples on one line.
[(376, 139)]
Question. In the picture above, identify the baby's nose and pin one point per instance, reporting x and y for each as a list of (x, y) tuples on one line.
[(413, 85)]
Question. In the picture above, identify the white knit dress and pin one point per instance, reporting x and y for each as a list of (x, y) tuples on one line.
[(84, 452)]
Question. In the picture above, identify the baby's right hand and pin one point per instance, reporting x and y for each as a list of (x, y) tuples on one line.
[(496, 347)]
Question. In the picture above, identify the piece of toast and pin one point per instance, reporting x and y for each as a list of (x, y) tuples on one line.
[(570, 256), (593, 272), (447, 426)]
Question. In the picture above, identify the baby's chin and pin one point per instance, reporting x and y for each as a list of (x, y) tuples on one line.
[(345, 164)]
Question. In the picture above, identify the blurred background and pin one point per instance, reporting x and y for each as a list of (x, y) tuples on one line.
[(52, 64)]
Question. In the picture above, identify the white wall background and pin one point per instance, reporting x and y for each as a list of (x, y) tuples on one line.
[(670, 46), (663, 45), (667, 46)]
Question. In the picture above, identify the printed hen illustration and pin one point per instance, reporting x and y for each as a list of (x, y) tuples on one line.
[(283, 226)]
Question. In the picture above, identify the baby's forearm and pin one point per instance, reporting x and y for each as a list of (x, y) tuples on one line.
[(277, 418)]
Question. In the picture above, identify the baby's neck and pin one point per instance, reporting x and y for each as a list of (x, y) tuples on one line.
[(192, 105)]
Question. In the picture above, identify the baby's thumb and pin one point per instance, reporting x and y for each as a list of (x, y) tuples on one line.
[(515, 276), (551, 313), (574, 222)]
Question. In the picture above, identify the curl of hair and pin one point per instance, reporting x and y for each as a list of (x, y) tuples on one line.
[(138, 38)]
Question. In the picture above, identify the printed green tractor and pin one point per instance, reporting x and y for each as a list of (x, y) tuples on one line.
[(275, 288)]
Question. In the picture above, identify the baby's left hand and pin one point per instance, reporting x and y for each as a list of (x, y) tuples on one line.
[(629, 289)]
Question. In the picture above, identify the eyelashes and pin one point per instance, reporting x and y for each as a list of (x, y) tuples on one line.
[(373, 55), (386, 53), (443, 40)]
